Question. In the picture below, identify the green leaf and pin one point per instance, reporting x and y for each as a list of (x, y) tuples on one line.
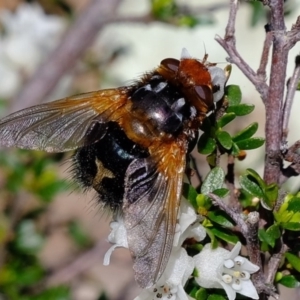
[(213, 240), (264, 237), (225, 236), (203, 201), (241, 109), (289, 281), (293, 260), (293, 226), (271, 192), (246, 133), (254, 175), (213, 181), (201, 294), (274, 231), (222, 193), (216, 297), (234, 94), (220, 218), (294, 204), (251, 187), (54, 293), (225, 119), (206, 144), (278, 276), (258, 12), (190, 193), (163, 9), (270, 236), (235, 150), (224, 139), (251, 143)]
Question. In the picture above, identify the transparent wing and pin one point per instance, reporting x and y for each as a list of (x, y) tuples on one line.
[(61, 125), (151, 202)]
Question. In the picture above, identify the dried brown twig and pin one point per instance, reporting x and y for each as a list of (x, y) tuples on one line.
[(277, 117)]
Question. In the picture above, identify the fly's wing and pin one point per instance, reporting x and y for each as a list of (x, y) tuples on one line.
[(151, 202), (64, 124)]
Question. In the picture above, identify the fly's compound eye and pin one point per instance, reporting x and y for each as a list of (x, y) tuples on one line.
[(204, 92), (170, 64)]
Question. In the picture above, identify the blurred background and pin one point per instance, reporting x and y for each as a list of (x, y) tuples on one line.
[(52, 236)]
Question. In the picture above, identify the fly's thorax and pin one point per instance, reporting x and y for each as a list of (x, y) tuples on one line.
[(161, 107)]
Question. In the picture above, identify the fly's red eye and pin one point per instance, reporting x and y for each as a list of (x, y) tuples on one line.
[(170, 64)]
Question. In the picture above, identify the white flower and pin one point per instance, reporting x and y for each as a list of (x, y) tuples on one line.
[(118, 237), (180, 266), (187, 226), (218, 79), (170, 285), (220, 268)]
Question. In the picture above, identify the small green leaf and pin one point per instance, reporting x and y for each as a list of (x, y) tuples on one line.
[(190, 193), (251, 187), (293, 260), (241, 109), (271, 192), (246, 133), (224, 139), (225, 236), (235, 150), (265, 237), (213, 240), (216, 297), (258, 12), (289, 281), (254, 175), (222, 193), (213, 181), (220, 218), (53, 293), (225, 119), (201, 294), (203, 201), (251, 143), (206, 144), (270, 236), (274, 231), (234, 94), (278, 276), (293, 226), (294, 204)]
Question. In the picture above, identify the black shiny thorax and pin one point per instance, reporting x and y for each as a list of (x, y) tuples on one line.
[(162, 104)]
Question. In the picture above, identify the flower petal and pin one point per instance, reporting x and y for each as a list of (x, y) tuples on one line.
[(106, 259), (249, 266), (179, 268), (230, 292), (235, 250), (248, 290)]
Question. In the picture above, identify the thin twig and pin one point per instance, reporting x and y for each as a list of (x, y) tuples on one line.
[(228, 43), (261, 72), (292, 86), (233, 200), (274, 264)]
